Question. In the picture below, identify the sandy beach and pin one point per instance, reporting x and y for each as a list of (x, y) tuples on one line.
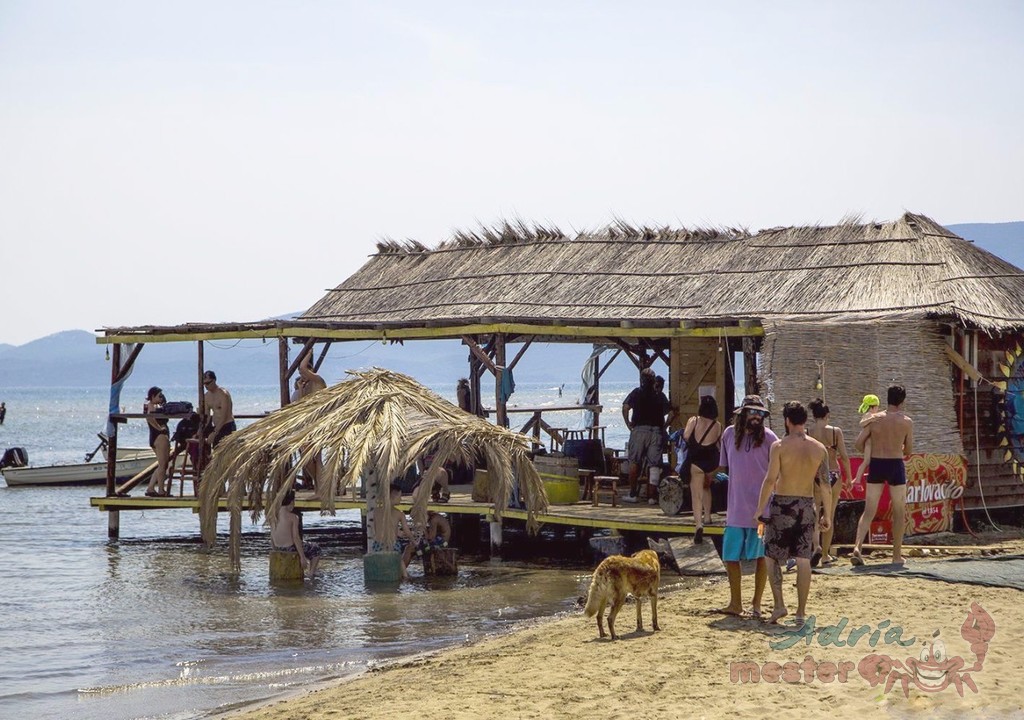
[(559, 668)]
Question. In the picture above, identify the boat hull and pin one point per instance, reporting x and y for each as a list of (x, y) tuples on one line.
[(94, 473)]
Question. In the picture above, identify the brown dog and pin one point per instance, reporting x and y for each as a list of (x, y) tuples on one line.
[(617, 576)]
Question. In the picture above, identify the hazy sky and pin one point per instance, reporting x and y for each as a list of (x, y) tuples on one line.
[(180, 162)]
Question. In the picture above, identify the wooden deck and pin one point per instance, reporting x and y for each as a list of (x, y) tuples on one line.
[(640, 518)]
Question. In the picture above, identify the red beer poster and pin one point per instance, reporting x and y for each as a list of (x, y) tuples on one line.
[(934, 482)]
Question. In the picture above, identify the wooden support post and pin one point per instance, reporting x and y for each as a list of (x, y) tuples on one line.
[(721, 377), (495, 538), (115, 373), (749, 367), (500, 402), (113, 524), (282, 370), (201, 404)]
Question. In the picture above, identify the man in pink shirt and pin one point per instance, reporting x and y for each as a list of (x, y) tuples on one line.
[(746, 445)]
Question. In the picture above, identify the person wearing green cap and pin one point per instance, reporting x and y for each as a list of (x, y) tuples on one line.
[(892, 434), (869, 409)]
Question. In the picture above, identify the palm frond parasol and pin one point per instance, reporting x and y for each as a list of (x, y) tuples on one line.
[(374, 425)]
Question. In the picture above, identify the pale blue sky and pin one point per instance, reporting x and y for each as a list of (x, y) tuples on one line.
[(210, 161)]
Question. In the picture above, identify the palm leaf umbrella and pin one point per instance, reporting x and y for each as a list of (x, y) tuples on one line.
[(373, 426)]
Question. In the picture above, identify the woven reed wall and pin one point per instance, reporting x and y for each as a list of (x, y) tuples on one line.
[(861, 358)]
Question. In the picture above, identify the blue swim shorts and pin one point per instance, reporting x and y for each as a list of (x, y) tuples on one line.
[(740, 543)]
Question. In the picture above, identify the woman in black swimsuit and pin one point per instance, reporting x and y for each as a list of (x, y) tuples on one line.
[(160, 441), (832, 438), (702, 433)]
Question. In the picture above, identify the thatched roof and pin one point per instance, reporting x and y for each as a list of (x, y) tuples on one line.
[(377, 419), (910, 267)]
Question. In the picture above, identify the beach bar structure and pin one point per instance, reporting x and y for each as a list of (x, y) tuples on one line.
[(830, 311)]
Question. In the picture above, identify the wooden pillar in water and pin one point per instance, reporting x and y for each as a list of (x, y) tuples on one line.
[(115, 371), (113, 524), (495, 538), (201, 404)]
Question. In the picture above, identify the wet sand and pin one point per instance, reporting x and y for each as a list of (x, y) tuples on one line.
[(560, 668)]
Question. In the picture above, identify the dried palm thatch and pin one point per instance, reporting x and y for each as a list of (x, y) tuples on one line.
[(374, 426), (660, 276)]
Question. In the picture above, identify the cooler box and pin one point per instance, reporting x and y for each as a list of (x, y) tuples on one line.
[(561, 478)]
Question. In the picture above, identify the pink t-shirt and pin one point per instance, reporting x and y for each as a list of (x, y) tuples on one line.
[(747, 467)]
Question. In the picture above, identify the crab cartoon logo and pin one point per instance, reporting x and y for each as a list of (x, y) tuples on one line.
[(933, 670)]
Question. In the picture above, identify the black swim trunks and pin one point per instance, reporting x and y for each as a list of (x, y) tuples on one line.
[(890, 470), (224, 431), (312, 550), (790, 530)]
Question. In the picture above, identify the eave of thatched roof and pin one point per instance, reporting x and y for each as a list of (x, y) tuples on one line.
[(663, 277)]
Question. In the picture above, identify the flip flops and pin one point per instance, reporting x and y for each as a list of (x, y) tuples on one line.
[(816, 558), (152, 493), (856, 560), (698, 537)]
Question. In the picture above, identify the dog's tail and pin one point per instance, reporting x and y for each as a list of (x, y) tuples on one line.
[(593, 600)]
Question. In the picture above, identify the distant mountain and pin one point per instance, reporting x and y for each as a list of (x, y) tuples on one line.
[(73, 359), (1003, 239)]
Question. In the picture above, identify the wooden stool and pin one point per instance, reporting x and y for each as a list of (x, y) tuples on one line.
[(606, 484), (587, 478), (441, 561), (285, 566), (187, 469)]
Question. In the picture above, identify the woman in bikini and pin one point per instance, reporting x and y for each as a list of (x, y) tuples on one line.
[(160, 441), (701, 434), (832, 438)]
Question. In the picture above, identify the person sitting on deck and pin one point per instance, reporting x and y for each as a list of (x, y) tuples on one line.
[(286, 536)]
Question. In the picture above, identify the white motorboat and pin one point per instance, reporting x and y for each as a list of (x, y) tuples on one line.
[(90, 473)]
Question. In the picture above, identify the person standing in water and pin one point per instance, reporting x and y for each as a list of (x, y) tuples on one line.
[(286, 536)]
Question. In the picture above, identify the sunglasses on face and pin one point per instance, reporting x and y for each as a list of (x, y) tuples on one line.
[(757, 413)]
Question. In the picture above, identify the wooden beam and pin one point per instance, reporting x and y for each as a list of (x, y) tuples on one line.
[(697, 379), (130, 362), (323, 356), (608, 364), (455, 331), (519, 354), (626, 348), (479, 352), (961, 362), (306, 347)]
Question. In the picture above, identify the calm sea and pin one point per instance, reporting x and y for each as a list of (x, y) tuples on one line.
[(153, 626)]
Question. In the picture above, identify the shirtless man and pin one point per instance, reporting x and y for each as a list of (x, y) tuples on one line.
[(892, 438), (793, 464), (308, 383), (312, 382), (286, 536), (219, 410)]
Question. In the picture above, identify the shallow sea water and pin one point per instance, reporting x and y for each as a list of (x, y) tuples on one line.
[(154, 626)]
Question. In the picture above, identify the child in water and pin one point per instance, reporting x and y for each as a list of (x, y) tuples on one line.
[(869, 409)]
